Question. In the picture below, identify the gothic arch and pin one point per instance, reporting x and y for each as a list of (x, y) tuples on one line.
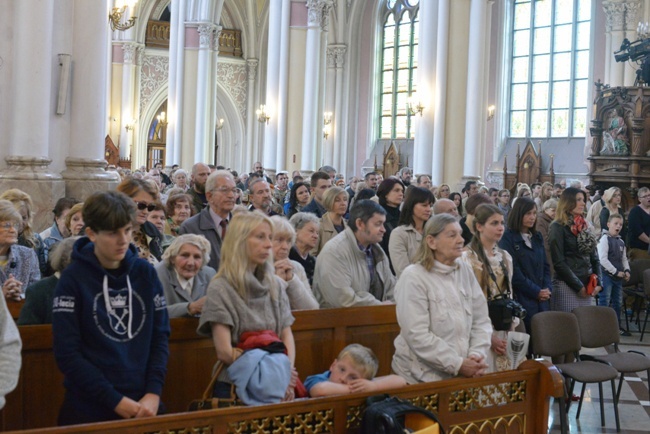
[(231, 139), (139, 151)]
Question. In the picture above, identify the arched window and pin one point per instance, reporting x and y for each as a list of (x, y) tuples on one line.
[(549, 66), (398, 67)]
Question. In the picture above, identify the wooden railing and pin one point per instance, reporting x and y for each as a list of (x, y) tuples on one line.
[(158, 37), (320, 335), (507, 402)]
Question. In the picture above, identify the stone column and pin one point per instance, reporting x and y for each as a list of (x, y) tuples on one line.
[(427, 92), (214, 114), (318, 20), (330, 86), (85, 172), (336, 55), (251, 119), (128, 112), (632, 8), (283, 87), (31, 109), (474, 119), (202, 124), (614, 14), (176, 77), (269, 155), (440, 89)]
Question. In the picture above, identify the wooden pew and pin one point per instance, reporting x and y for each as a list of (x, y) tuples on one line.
[(319, 336), (507, 402)]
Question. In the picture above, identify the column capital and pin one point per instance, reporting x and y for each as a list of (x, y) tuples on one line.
[(614, 15), (319, 12), (217, 33), (251, 65), (129, 50), (139, 56), (206, 31), (632, 8), (336, 55)]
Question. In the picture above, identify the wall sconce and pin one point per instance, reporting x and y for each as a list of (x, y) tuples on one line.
[(162, 119), (262, 115), (491, 110), (326, 131), (414, 106), (130, 126), (327, 118), (219, 125), (117, 13)]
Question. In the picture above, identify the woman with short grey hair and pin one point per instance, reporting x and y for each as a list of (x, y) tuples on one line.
[(184, 275), (307, 226), (298, 289), (39, 296)]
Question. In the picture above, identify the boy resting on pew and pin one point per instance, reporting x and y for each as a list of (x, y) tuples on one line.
[(352, 371)]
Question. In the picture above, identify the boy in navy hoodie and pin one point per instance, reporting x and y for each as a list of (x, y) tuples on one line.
[(109, 321)]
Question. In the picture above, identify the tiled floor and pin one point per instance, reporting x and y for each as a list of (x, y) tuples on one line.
[(634, 406)]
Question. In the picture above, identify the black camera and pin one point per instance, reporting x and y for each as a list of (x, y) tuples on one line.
[(501, 310)]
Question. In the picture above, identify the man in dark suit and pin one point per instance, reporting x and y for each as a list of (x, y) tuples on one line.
[(212, 222), (259, 194)]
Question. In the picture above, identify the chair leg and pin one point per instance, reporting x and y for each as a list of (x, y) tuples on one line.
[(601, 398), (564, 423), (582, 398), (645, 322), (570, 394), (618, 423), (620, 386)]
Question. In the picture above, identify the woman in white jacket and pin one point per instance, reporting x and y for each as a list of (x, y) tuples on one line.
[(444, 325)]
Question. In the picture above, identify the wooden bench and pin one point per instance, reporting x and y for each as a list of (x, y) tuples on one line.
[(508, 402), (319, 336)]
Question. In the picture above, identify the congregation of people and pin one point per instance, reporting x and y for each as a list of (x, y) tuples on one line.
[(241, 252)]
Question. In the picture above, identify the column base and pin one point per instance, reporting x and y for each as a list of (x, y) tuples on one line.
[(84, 176), (31, 175)]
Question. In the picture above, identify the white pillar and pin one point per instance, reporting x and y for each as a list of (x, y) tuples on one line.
[(251, 120), (203, 90), (615, 14), (128, 113), (88, 108), (214, 114), (475, 82), (283, 87), (31, 79), (330, 88), (440, 98), (632, 8), (337, 54), (427, 91), (176, 79), (269, 158), (318, 21)]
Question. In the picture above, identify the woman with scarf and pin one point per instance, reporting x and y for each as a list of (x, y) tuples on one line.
[(573, 252)]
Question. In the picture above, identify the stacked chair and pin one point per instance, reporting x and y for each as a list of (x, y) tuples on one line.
[(638, 288)]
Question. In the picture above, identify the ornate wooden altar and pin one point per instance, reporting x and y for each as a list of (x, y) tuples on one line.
[(528, 168), (112, 155), (622, 112), (391, 162)]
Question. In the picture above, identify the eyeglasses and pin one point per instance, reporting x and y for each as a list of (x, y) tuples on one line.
[(226, 190), (8, 226), (144, 205), (644, 197)]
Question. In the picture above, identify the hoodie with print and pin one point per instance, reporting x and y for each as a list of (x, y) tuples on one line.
[(111, 332)]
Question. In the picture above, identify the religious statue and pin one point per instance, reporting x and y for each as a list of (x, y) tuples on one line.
[(615, 141)]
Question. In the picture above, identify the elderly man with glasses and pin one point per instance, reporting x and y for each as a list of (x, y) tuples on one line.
[(639, 226), (212, 222)]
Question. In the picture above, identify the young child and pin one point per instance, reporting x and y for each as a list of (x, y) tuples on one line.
[(353, 371), (613, 261), (109, 321)]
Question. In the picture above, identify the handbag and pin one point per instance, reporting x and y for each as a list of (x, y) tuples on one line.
[(592, 283), (208, 402)]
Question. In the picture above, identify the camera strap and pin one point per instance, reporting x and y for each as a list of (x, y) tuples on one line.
[(505, 278)]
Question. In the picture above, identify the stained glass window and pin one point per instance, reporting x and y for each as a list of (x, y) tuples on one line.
[(398, 68), (549, 68)]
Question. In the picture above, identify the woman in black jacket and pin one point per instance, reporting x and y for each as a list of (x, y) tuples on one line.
[(574, 254), (391, 195)]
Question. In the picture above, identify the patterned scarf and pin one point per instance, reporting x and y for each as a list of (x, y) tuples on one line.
[(579, 225), (586, 240)]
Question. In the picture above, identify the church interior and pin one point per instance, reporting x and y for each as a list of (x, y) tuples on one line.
[(499, 91)]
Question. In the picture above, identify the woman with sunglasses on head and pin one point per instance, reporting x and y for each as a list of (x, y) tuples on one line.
[(146, 237), (18, 264)]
